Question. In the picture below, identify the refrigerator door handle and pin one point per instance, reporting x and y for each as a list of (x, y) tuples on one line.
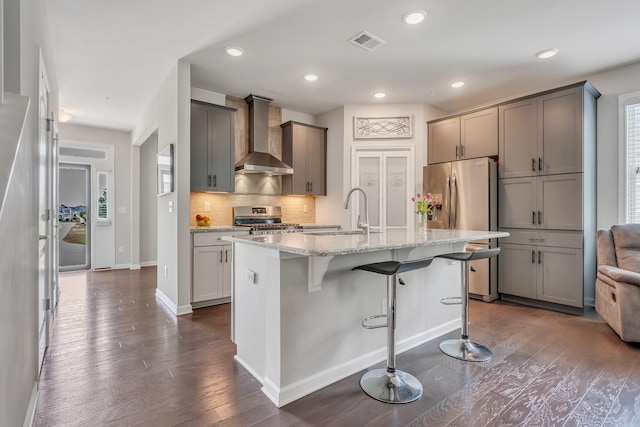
[(454, 204)]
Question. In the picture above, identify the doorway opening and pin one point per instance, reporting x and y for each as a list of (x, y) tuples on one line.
[(74, 216)]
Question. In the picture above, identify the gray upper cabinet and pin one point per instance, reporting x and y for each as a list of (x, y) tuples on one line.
[(518, 137), (304, 148), (212, 147), (560, 132), (464, 137), (542, 135), (444, 140), (479, 134)]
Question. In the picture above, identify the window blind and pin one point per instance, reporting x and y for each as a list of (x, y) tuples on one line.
[(633, 162)]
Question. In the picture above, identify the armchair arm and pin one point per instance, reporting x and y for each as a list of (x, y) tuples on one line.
[(620, 275)]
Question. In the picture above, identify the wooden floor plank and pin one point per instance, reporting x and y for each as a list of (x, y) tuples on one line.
[(119, 357)]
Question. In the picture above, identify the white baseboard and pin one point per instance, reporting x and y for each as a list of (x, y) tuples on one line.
[(148, 263), (178, 311), (281, 396), (121, 266), (134, 267), (31, 409)]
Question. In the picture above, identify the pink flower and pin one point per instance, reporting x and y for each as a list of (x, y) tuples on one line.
[(413, 199), (428, 196), (419, 195)]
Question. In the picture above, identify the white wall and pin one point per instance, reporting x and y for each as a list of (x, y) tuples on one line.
[(329, 210), (611, 84), (120, 141), (19, 264), (148, 201), (290, 115), (169, 114)]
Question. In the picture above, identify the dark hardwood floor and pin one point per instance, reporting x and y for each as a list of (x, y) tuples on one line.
[(120, 358)]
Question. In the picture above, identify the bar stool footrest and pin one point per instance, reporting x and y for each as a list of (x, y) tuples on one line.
[(375, 316), (451, 301), (391, 387), (463, 349)]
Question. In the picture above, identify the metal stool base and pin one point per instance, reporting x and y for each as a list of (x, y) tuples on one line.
[(466, 350), (397, 387)]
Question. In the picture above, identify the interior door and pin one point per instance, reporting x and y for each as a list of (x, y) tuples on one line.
[(387, 176), (44, 214)]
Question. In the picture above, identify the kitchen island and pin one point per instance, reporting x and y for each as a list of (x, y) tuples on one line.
[(298, 307)]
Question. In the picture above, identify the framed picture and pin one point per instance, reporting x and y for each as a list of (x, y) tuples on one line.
[(383, 127), (165, 170)]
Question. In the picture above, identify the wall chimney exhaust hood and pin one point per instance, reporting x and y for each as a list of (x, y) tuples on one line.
[(258, 160)]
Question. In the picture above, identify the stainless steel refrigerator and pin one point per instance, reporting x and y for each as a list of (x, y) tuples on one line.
[(467, 191)]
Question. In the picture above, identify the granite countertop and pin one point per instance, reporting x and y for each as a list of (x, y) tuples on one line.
[(332, 244), (217, 228)]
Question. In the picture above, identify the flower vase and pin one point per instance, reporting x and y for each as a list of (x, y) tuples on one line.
[(422, 221)]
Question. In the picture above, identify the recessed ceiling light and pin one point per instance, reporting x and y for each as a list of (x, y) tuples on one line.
[(311, 77), (63, 116), (234, 50), (379, 95), (414, 17), (457, 84), (546, 54)]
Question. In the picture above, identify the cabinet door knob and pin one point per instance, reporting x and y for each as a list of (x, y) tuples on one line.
[(461, 151), (457, 149), (226, 255), (215, 180), (209, 180), (539, 217), (220, 257), (540, 165), (539, 257), (311, 187), (533, 257), (533, 217), (533, 164)]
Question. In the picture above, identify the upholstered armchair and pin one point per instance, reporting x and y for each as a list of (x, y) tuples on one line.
[(618, 280)]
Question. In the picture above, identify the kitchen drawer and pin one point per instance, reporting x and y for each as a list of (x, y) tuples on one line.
[(213, 238), (543, 238)]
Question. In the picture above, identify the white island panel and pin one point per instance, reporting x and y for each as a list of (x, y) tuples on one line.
[(295, 341)]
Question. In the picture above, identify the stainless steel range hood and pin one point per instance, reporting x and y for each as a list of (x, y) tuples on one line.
[(258, 160)]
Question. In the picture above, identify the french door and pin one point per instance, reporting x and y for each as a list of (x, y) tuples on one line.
[(388, 178)]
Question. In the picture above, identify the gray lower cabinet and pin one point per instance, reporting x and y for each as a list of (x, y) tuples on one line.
[(212, 259), (304, 148), (212, 147), (542, 266)]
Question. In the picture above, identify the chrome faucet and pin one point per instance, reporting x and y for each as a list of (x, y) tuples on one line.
[(364, 225)]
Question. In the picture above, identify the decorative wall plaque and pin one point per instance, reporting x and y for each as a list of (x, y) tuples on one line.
[(382, 127)]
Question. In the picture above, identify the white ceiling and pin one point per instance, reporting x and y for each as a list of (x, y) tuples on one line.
[(112, 56)]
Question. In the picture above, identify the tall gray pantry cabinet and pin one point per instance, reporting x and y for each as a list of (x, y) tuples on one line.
[(547, 198), (212, 147)]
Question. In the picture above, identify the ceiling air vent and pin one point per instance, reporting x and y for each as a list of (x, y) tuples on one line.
[(366, 40)]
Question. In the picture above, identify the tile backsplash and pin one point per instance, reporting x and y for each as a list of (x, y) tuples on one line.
[(221, 204)]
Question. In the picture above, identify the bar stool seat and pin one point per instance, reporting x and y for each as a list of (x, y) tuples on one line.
[(463, 348), (391, 385)]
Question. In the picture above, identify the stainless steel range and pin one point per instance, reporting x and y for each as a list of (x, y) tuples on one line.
[(263, 220)]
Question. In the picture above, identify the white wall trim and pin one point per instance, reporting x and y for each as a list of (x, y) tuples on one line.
[(282, 396), (148, 263), (119, 267), (31, 409), (134, 267), (178, 311)]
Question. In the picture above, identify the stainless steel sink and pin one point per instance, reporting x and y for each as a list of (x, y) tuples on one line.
[(341, 233)]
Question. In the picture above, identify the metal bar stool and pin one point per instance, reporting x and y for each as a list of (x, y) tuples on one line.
[(391, 385), (463, 348)]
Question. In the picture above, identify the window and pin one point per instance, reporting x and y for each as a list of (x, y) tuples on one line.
[(632, 159), (103, 196)]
